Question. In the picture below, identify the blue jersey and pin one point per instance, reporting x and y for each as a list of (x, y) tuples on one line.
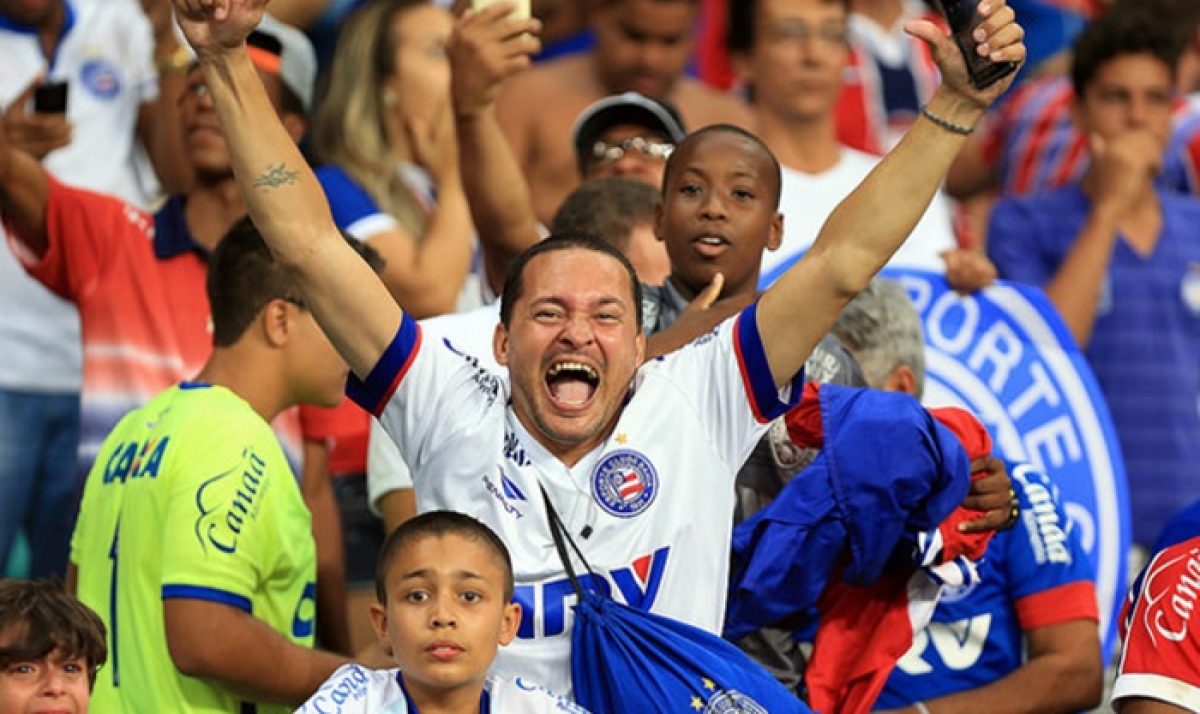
[(1033, 575), (1145, 346)]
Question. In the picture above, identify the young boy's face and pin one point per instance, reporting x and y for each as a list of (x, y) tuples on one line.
[(719, 213), (446, 613), (51, 684)]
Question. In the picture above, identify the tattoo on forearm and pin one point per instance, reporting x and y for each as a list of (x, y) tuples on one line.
[(276, 176)]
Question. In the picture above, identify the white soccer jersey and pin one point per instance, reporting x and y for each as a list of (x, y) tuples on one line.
[(358, 690), (655, 500)]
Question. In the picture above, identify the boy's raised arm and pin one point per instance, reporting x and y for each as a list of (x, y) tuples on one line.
[(875, 219), (283, 197)]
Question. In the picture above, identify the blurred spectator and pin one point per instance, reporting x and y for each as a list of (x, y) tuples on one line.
[(193, 539), (622, 212), (1115, 255), (1022, 639), (138, 279), (627, 135), (384, 131), (1159, 668), (792, 56), (121, 79), (1032, 142), (642, 46), (51, 646)]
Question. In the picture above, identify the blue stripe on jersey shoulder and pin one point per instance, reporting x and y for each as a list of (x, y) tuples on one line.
[(200, 592), (374, 392), (756, 371)]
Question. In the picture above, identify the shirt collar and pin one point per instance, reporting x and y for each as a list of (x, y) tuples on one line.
[(171, 235), (485, 704)]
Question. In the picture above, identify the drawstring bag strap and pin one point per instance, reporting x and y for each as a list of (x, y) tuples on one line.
[(561, 538)]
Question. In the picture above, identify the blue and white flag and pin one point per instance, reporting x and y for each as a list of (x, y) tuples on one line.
[(1005, 354)]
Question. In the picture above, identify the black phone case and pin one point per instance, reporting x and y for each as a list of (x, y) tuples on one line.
[(50, 98), (963, 18)]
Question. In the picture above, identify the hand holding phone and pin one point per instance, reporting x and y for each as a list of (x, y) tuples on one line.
[(50, 98), (963, 17), (521, 13)]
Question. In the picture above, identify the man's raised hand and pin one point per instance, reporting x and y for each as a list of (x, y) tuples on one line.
[(217, 25), (998, 37)]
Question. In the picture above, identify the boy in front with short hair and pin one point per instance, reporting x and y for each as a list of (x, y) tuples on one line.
[(445, 588), (51, 646)]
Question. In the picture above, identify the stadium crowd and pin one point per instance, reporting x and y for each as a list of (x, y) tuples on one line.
[(567, 355)]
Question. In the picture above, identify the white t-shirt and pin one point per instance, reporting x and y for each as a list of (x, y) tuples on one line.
[(356, 690), (656, 498), (807, 200), (106, 56)]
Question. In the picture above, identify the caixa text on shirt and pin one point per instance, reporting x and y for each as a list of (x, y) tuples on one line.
[(135, 459), (545, 606)]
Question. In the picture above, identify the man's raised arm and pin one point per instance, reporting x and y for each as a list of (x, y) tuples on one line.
[(875, 219), (282, 194)]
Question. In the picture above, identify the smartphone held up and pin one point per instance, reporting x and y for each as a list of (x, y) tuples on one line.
[(963, 17), (50, 98)]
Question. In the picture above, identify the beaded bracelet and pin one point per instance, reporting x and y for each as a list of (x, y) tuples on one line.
[(947, 125)]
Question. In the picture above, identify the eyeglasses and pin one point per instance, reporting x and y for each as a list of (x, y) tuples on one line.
[(606, 153)]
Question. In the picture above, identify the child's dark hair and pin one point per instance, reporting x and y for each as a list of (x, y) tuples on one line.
[(1127, 29), (38, 617), (435, 524)]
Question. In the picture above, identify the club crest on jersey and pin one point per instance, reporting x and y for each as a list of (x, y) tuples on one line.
[(102, 78), (724, 701), (624, 483)]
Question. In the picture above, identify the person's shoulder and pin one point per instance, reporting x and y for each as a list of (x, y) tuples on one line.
[(354, 688), (562, 73), (519, 694), (1065, 203), (702, 105), (1181, 204)]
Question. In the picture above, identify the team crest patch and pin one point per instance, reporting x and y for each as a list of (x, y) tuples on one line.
[(624, 483), (102, 78)]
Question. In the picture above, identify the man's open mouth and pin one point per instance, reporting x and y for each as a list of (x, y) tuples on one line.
[(571, 384)]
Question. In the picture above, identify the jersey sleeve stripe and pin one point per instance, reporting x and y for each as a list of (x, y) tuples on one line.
[(373, 393), (1070, 601), (198, 592), (756, 372), (1157, 686)]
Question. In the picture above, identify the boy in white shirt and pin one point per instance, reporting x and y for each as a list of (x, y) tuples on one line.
[(445, 589)]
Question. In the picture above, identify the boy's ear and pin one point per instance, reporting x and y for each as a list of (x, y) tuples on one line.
[(510, 620), (379, 623), (775, 238), (656, 226), (276, 322)]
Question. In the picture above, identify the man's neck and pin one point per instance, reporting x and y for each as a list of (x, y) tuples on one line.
[(244, 371), (50, 30), (212, 207), (810, 147)]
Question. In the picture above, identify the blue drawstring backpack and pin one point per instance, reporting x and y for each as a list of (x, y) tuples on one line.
[(628, 661)]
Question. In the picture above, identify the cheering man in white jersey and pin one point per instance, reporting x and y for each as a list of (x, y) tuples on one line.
[(639, 460)]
